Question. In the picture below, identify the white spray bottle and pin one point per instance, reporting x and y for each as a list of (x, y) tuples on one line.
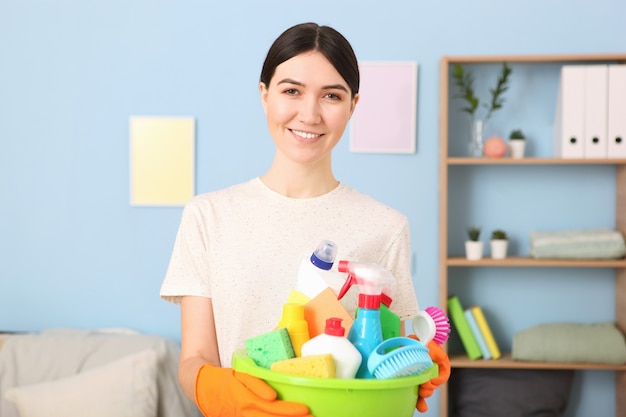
[(366, 330)]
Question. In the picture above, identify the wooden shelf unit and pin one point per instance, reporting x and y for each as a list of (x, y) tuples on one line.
[(447, 260), (506, 362), (533, 161), (539, 263)]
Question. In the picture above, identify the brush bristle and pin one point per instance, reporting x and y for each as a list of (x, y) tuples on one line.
[(442, 324), (436, 313), (403, 363)]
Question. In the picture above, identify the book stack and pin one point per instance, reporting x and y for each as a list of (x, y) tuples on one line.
[(473, 329)]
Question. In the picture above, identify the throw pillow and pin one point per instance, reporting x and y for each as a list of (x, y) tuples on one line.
[(126, 387)]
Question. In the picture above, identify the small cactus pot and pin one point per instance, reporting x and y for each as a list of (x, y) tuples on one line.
[(473, 250), (498, 248), (516, 148)]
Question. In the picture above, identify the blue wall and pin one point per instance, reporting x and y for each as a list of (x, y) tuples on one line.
[(72, 250)]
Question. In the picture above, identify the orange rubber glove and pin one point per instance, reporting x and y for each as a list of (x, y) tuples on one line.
[(224, 392), (438, 356)]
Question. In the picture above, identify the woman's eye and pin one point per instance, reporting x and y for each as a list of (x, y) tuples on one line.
[(332, 96), (291, 91)]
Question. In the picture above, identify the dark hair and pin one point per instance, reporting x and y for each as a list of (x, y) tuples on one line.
[(307, 37)]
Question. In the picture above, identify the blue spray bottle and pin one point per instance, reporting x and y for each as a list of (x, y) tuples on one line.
[(366, 331)]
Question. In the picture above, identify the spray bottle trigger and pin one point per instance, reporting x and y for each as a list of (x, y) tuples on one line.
[(346, 286)]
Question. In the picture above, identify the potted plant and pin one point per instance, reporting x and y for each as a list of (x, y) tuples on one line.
[(499, 244), (464, 80), (517, 143), (473, 246)]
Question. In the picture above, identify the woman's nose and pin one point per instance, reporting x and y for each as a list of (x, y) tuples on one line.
[(309, 111)]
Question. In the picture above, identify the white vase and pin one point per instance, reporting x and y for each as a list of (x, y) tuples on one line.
[(498, 248), (473, 250), (516, 148)]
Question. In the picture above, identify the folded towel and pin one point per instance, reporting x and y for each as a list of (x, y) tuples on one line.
[(601, 342), (578, 244)]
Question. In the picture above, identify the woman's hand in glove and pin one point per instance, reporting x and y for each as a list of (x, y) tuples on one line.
[(438, 356), (224, 392)]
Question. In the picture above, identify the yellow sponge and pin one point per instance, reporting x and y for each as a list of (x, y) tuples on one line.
[(270, 347), (317, 366)]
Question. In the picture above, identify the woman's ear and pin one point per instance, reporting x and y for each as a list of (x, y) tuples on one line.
[(355, 100), (263, 90)]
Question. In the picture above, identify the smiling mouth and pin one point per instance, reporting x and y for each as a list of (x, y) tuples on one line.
[(305, 135)]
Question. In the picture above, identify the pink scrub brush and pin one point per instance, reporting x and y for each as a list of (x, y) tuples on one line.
[(431, 324)]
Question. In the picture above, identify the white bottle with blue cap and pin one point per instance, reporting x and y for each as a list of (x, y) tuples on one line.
[(315, 274)]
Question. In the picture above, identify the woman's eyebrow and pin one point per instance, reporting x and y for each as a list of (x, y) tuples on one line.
[(327, 87)]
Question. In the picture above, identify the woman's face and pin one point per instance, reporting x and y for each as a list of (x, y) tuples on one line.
[(308, 105)]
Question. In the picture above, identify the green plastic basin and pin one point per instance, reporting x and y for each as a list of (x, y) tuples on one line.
[(334, 397)]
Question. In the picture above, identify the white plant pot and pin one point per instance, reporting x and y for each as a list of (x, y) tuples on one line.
[(498, 248), (473, 250), (516, 148)]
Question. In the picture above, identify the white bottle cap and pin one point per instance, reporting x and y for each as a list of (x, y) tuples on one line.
[(324, 255)]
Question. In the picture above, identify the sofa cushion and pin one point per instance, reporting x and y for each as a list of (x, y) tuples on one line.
[(126, 387)]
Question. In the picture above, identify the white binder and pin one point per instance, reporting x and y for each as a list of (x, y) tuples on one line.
[(596, 103), (616, 144), (570, 113)]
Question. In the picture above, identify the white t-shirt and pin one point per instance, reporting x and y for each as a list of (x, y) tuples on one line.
[(242, 247)]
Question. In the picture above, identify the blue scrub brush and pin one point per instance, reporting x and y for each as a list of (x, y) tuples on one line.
[(407, 357)]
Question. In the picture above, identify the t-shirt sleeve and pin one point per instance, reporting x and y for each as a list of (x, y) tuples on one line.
[(397, 259), (187, 273)]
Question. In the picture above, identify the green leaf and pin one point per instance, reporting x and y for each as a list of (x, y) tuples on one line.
[(465, 83), (502, 85)]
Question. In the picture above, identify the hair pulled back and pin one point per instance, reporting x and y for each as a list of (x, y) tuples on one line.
[(307, 37)]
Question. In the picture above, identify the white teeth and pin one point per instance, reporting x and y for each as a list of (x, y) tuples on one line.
[(306, 135)]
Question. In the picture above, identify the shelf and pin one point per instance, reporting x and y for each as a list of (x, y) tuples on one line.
[(454, 166), (534, 59), (532, 161), (506, 362), (532, 262)]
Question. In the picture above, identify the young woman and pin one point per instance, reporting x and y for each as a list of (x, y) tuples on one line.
[(238, 250)]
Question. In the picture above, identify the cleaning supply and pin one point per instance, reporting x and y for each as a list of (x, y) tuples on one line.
[(226, 392), (297, 327), (334, 397), (389, 321), (316, 366), (270, 347), (311, 280), (405, 357), (323, 306), (346, 356), (442, 324), (431, 324), (366, 331), (297, 297)]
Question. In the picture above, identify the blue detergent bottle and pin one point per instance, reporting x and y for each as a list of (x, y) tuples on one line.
[(366, 331)]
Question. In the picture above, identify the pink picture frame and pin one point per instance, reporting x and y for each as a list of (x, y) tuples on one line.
[(384, 120)]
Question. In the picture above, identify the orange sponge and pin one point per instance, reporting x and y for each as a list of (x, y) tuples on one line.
[(323, 306), (316, 366)]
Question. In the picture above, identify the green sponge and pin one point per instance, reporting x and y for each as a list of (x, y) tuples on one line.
[(267, 348)]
